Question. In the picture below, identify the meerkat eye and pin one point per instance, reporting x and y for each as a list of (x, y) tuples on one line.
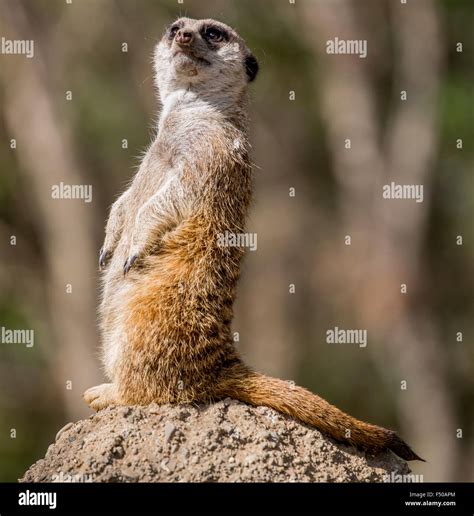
[(173, 30), (215, 35)]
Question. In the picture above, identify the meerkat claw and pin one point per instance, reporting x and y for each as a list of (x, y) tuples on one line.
[(129, 263), (103, 258)]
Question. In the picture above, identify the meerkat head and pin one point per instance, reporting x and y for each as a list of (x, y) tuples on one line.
[(204, 55)]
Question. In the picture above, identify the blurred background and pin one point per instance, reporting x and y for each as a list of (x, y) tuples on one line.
[(81, 112)]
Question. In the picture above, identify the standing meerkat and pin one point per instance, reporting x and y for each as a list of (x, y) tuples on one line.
[(168, 287)]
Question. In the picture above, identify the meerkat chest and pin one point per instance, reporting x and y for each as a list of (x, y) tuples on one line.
[(188, 130), (153, 175)]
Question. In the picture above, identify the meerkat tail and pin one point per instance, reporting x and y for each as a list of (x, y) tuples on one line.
[(301, 404)]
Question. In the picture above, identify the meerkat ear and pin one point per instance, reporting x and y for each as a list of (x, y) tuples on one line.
[(251, 67)]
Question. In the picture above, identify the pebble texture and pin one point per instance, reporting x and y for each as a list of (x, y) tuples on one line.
[(228, 441)]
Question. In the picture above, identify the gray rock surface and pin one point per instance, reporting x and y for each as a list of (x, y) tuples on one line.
[(228, 441)]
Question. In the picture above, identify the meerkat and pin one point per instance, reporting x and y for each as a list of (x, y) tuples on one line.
[(168, 287)]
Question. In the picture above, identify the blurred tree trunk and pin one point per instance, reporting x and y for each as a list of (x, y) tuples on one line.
[(46, 155), (386, 235)]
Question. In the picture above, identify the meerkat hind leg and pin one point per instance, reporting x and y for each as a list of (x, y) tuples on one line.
[(101, 396)]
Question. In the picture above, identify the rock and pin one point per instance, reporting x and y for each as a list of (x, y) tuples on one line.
[(63, 429), (170, 429), (227, 441)]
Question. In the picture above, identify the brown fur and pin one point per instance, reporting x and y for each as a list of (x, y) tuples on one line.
[(166, 315)]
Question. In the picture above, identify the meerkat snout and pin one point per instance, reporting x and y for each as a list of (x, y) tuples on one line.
[(184, 37)]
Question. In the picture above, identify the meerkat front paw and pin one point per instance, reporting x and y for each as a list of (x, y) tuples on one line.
[(101, 396)]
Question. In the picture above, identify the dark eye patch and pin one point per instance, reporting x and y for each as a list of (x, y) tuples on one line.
[(213, 34), (173, 30)]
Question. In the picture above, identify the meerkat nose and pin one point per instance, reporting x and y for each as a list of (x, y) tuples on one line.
[(184, 37)]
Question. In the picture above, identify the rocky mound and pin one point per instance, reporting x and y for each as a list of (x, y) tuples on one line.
[(227, 441)]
